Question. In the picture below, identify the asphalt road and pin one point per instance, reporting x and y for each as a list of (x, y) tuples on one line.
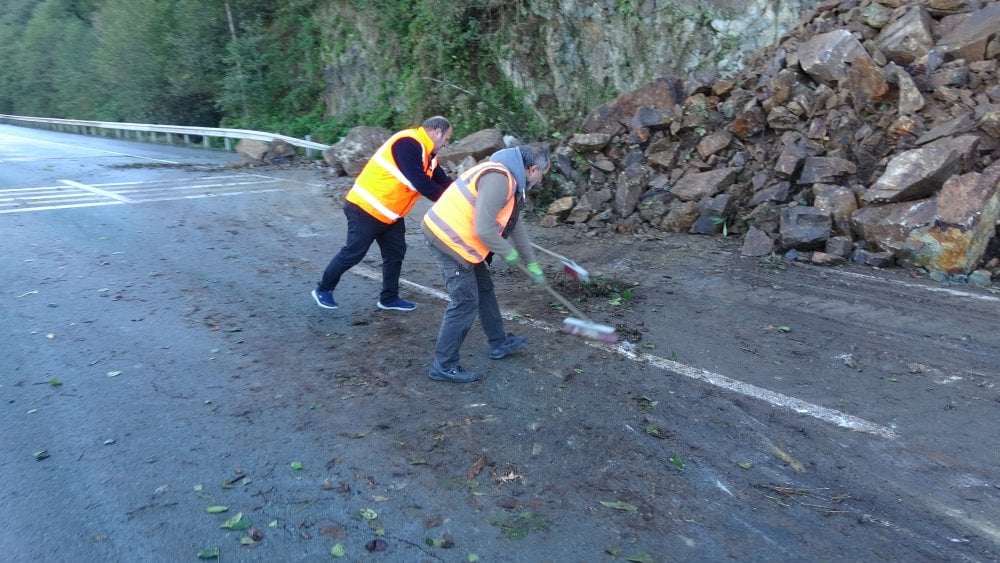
[(161, 355)]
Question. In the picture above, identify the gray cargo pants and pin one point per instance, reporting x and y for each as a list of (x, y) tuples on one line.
[(471, 292)]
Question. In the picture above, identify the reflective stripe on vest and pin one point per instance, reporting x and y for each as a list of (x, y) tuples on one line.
[(451, 218), (381, 189)]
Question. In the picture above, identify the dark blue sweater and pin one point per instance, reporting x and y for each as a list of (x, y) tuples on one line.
[(407, 152)]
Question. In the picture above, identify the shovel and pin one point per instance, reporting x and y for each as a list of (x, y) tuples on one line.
[(574, 270)]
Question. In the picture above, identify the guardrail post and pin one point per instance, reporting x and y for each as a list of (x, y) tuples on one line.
[(309, 152), (205, 141), (228, 143)]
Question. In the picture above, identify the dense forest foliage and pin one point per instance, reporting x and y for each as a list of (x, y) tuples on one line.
[(256, 64)]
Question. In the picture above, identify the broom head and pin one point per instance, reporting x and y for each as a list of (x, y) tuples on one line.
[(576, 272), (590, 330)]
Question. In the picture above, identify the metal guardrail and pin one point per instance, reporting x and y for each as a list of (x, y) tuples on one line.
[(151, 133)]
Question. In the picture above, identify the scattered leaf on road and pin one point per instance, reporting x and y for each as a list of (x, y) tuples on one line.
[(41, 454), (236, 523), (745, 464), (297, 465), (675, 460), (338, 550), (114, 373), (208, 553), (477, 466), (640, 558), (55, 382), (519, 526), (216, 509), (784, 328), (619, 505), (366, 514)]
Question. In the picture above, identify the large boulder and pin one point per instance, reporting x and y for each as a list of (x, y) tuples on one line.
[(968, 207), (353, 151), (265, 152), (477, 146)]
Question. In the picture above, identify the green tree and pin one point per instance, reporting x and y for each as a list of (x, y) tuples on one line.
[(75, 94), (35, 68), (133, 58), (10, 50)]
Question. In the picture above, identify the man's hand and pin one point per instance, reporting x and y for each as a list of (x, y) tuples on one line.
[(511, 257), (535, 273)]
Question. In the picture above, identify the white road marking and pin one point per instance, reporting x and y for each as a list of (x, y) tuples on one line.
[(21, 140), (945, 290), (627, 351), (98, 191), (73, 194), (67, 206)]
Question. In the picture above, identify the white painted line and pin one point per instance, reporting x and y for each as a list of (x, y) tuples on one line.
[(97, 191), (625, 350), (945, 290), (215, 194), (101, 151), (51, 207), (190, 187), (799, 406)]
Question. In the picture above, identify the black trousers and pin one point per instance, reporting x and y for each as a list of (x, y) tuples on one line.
[(362, 231)]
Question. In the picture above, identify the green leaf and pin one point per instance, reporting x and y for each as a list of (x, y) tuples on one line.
[(472, 558), (247, 540), (338, 550), (745, 464), (613, 550), (216, 509), (619, 505), (784, 328), (236, 523), (55, 382), (368, 514), (208, 553), (675, 460), (297, 465), (640, 558)]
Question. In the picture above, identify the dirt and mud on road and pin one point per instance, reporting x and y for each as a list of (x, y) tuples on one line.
[(753, 411)]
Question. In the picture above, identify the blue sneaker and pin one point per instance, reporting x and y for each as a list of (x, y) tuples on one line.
[(397, 304), (324, 299), (511, 344), (457, 374)]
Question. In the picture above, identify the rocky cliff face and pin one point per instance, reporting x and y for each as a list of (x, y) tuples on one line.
[(569, 55), (870, 133)]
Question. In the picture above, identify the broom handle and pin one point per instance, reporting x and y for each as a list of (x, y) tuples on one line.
[(565, 302), (550, 253)]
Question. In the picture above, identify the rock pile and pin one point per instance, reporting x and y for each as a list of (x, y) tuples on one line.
[(870, 133)]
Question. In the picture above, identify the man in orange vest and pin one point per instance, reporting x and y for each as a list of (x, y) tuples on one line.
[(469, 223), (401, 170)]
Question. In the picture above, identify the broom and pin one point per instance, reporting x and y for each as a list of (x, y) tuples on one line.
[(574, 270), (579, 325)]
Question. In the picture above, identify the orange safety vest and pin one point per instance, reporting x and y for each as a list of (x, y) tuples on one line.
[(381, 189), (450, 219)]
